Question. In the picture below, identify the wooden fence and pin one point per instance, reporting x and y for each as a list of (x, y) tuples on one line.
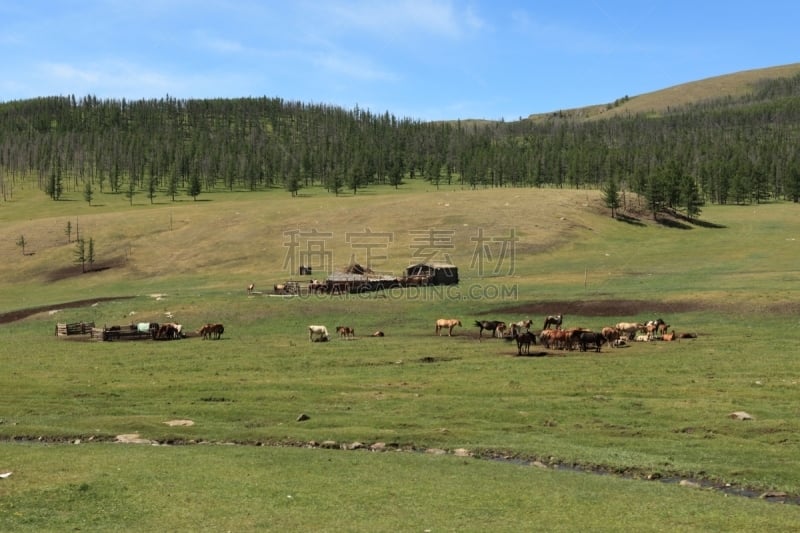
[(74, 328)]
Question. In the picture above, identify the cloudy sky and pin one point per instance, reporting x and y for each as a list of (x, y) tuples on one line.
[(423, 59)]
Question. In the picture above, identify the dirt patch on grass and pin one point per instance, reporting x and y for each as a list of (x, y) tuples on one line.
[(600, 308), (19, 314), (75, 270)]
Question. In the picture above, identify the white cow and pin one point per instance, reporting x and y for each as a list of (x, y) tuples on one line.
[(318, 333)]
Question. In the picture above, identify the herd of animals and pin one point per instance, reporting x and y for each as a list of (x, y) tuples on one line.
[(172, 331), (552, 334)]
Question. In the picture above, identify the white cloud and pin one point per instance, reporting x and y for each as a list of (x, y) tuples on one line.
[(432, 17), (115, 79), (62, 72), (352, 67)]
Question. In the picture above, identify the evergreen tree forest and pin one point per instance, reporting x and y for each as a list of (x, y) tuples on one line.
[(727, 151)]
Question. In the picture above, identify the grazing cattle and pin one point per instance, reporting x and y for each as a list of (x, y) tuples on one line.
[(446, 323), (345, 331), (611, 335), (587, 338), (553, 320), (318, 333), (524, 341), (250, 288), (488, 325), (629, 329)]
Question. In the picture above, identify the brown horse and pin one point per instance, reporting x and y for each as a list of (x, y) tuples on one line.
[(345, 331), (448, 323), (211, 331)]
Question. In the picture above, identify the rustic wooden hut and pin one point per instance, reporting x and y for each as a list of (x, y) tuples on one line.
[(433, 273)]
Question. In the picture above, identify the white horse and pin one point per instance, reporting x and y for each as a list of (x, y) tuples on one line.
[(320, 333)]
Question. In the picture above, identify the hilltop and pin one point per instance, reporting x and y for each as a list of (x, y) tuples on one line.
[(732, 85)]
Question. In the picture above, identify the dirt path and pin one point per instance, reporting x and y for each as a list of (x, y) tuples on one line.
[(19, 314)]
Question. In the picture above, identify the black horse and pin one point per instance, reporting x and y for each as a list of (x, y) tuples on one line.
[(488, 325), (524, 341), (554, 320)]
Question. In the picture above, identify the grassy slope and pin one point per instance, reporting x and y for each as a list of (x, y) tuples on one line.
[(734, 85), (657, 408)]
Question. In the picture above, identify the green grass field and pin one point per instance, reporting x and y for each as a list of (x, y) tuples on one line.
[(647, 412)]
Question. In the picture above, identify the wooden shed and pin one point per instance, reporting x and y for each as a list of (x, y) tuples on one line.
[(433, 273)]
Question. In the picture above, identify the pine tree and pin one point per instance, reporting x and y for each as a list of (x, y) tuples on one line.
[(80, 253), (88, 193), (690, 198), (152, 184), (21, 242), (194, 186), (611, 196), (90, 254)]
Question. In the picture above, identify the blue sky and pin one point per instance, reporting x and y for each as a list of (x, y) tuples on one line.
[(423, 59)]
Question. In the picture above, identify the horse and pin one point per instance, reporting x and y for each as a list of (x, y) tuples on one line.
[(590, 337), (448, 323), (488, 325), (318, 333), (629, 329), (516, 327), (168, 331), (211, 331), (345, 331), (250, 288), (555, 320), (611, 335), (524, 341), (217, 330)]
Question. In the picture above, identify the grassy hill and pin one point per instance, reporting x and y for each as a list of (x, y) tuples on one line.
[(229, 239), (656, 102)]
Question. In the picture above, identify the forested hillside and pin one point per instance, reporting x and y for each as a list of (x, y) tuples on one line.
[(729, 150)]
